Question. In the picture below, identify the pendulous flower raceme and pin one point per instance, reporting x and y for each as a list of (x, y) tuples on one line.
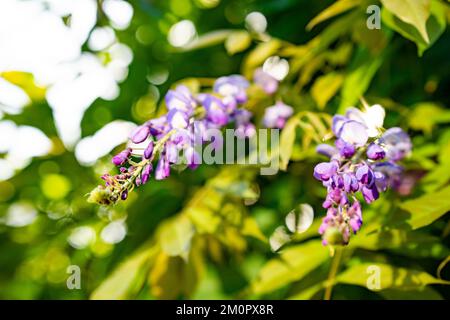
[(363, 161), (172, 138)]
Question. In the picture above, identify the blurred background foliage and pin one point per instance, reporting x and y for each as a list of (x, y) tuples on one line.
[(204, 234)]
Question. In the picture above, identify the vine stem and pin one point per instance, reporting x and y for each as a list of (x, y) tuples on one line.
[(333, 271)]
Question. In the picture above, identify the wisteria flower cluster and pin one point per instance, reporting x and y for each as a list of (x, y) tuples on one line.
[(363, 161), (185, 126)]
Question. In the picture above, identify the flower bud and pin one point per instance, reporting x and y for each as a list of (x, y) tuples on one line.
[(149, 150), (333, 236), (375, 152), (122, 157), (162, 169), (325, 170), (140, 134), (146, 173)]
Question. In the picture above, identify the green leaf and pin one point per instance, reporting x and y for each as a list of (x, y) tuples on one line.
[(415, 13), (293, 264), (357, 81), (287, 140), (402, 242), (175, 236), (127, 279), (237, 41), (250, 228), (325, 87), (204, 219), (336, 8), (390, 277), (426, 116), (308, 293), (174, 276), (427, 208), (436, 25), (426, 293)]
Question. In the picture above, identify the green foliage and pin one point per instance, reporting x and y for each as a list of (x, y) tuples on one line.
[(205, 234), (428, 208)]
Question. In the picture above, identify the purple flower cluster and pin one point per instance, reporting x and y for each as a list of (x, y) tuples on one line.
[(277, 115), (175, 134), (363, 161)]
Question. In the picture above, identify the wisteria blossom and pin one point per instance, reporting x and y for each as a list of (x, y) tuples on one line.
[(363, 161), (276, 115), (173, 137)]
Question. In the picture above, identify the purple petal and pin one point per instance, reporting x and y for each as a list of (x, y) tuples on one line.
[(325, 170), (121, 157), (177, 119), (396, 143), (375, 152), (162, 169), (140, 134), (193, 159), (365, 175), (149, 150), (354, 133), (326, 150), (370, 194)]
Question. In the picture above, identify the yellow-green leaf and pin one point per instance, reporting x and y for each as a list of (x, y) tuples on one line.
[(427, 115), (293, 264), (175, 236), (427, 208), (250, 228), (287, 140), (326, 87), (390, 277), (414, 12), (127, 279), (436, 25), (336, 8)]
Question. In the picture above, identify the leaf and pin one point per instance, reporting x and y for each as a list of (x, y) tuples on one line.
[(325, 87), (357, 81), (390, 277), (293, 264), (165, 277), (205, 220), (175, 236), (127, 279), (287, 140), (237, 41), (426, 116), (172, 276), (436, 25), (308, 293), (336, 8), (427, 208), (251, 229), (415, 13), (426, 293), (402, 242)]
